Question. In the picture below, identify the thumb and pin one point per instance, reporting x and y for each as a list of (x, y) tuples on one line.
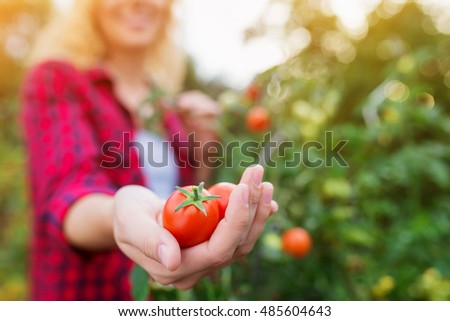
[(158, 244), (137, 230)]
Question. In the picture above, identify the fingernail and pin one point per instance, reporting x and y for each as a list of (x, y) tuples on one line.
[(275, 206), (267, 196), (162, 254), (245, 196), (257, 177)]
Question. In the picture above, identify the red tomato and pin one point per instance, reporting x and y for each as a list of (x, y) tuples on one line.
[(258, 119), (296, 242), (191, 214), (223, 190), (253, 92)]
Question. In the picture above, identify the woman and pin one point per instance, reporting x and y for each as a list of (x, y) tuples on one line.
[(90, 73)]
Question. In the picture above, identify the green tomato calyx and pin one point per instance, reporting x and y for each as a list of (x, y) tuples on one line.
[(195, 198)]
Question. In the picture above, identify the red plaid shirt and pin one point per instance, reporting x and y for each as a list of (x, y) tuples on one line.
[(67, 116)]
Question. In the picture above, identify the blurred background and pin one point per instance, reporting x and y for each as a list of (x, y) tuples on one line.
[(374, 72)]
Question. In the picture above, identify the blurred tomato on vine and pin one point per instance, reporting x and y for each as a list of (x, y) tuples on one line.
[(253, 93), (258, 119), (296, 242)]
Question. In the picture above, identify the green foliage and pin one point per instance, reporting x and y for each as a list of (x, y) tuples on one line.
[(380, 225), (14, 223), (19, 23), (139, 279)]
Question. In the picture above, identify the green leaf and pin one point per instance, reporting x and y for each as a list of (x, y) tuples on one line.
[(200, 206), (185, 203), (140, 289), (183, 191)]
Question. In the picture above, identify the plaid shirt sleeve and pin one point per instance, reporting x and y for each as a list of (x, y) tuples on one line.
[(62, 148), (66, 116)]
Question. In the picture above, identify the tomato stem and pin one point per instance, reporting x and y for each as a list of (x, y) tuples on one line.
[(195, 190)]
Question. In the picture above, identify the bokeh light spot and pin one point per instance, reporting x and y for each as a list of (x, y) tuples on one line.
[(396, 91)]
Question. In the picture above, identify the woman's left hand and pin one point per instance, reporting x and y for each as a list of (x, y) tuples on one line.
[(198, 112)]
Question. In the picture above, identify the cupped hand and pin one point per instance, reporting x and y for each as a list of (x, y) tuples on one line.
[(139, 233)]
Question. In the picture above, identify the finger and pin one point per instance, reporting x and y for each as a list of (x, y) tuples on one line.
[(198, 104), (262, 214), (155, 243), (186, 98), (273, 207), (158, 244), (234, 226), (185, 276), (179, 277), (201, 110), (188, 282), (156, 270), (253, 177)]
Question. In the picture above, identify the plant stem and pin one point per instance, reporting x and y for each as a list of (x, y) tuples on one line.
[(195, 190)]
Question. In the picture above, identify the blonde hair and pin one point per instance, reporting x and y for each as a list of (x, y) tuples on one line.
[(76, 38)]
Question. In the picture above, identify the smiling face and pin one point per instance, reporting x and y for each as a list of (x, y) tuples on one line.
[(132, 24)]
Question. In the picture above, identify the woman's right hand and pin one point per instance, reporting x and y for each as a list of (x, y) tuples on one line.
[(139, 233)]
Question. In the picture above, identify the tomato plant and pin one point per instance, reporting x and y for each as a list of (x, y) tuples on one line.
[(223, 190), (191, 214), (296, 242), (395, 123), (258, 119)]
